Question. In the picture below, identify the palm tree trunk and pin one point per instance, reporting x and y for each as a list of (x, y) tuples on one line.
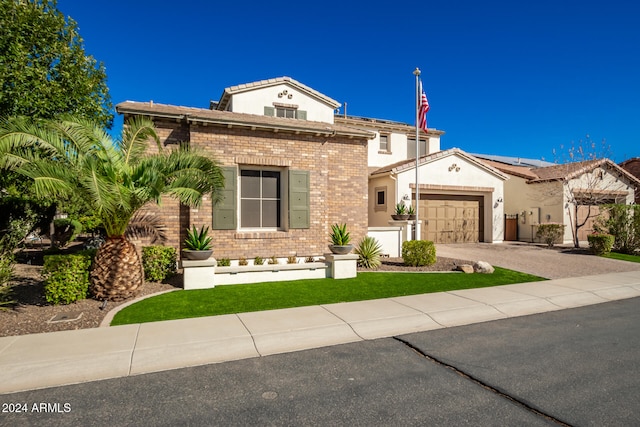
[(117, 273)]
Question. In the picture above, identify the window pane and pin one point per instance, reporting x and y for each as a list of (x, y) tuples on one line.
[(250, 213), (279, 112), (250, 184), (381, 197), (270, 185), (270, 213)]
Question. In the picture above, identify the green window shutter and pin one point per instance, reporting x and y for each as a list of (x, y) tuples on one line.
[(299, 203), (269, 111), (301, 114), (224, 213)]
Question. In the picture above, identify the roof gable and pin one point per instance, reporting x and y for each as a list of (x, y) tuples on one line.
[(573, 170), (411, 164), (228, 93)]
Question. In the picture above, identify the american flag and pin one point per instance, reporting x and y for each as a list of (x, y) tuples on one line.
[(422, 109)]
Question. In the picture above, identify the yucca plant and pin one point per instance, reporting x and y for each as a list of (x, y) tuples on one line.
[(116, 178), (198, 240), (368, 252)]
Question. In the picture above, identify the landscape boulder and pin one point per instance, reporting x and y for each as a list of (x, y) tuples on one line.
[(483, 267), (466, 268)]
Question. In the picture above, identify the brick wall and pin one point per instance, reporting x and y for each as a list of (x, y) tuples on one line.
[(338, 181), (633, 167)]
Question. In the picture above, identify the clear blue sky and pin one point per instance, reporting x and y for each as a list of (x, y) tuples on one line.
[(502, 77)]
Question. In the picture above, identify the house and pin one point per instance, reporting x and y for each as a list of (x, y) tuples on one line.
[(290, 170), (633, 167), (460, 196), (566, 193), (293, 167)]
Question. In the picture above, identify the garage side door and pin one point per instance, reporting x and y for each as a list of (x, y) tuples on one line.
[(452, 219), (584, 211)]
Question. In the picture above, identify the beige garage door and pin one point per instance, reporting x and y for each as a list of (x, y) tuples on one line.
[(452, 219)]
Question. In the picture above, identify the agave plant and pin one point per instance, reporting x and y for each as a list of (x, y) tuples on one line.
[(116, 178), (368, 252), (339, 235), (198, 240)]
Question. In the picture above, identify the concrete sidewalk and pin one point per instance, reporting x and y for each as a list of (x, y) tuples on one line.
[(69, 357)]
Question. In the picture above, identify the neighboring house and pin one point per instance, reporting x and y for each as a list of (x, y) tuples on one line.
[(290, 170), (562, 194), (633, 167)]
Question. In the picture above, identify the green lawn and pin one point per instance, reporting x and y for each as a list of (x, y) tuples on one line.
[(273, 295), (623, 257)]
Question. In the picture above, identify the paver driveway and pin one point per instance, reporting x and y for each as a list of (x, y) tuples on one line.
[(554, 263)]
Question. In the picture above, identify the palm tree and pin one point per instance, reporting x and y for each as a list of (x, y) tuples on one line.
[(116, 178)]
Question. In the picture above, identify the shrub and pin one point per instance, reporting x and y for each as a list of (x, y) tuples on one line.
[(6, 273), (310, 259), (292, 259), (159, 262), (258, 260), (368, 252), (600, 244), (273, 260), (65, 230), (224, 262), (622, 221), (416, 253), (243, 261), (66, 277), (550, 233), (198, 240)]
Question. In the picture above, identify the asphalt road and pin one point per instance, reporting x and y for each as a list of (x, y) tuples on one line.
[(578, 367)]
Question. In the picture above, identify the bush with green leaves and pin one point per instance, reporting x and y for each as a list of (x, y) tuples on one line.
[(258, 260), (339, 235), (550, 233), (6, 273), (417, 253), (224, 262), (600, 244), (623, 222), (368, 252), (159, 262), (66, 277)]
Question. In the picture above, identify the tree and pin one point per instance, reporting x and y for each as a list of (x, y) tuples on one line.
[(117, 178), (44, 71)]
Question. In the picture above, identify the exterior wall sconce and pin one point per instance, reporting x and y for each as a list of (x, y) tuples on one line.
[(499, 200), (405, 197)]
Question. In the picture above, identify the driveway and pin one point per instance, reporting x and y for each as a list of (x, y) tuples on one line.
[(554, 263)]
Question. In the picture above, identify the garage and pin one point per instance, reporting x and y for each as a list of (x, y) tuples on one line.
[(451, 218)]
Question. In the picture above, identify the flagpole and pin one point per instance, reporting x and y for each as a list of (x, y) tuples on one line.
[(416, 73)]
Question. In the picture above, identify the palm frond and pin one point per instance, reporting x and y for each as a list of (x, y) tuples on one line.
[(146, 224), (135, 139)]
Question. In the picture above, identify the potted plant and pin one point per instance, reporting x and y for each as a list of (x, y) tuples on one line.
[(340, 239), (197, 244), (411, 212), (400, 212)]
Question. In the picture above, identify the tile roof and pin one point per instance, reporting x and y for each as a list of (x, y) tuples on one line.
[(230, 119), (228, 92), (525, 172)]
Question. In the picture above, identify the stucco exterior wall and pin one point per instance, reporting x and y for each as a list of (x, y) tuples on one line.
[(253, 102), (455, 174)]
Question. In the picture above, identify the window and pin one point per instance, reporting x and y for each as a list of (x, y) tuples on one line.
[(285, 110), (269, 199), (260, 199), (411, 147), (384, 143), (380, 199), (289, 113)]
